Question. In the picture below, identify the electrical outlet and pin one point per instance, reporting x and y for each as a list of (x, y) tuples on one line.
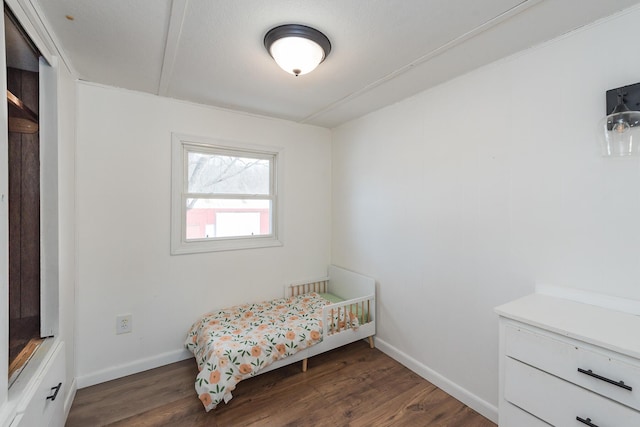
[(124, 324)]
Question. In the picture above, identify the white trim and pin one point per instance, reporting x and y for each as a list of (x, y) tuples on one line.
[(37, 27), (179, 245), (4, 234), (223, 245), (479, 405), (26, 14), (134, 367), (49, 220), (624, 305), (71, 395)]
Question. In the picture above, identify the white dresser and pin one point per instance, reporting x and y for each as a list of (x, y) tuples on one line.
[(37, 396), (565, 363)]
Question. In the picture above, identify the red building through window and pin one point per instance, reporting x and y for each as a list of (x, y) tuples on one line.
[(203, 223)]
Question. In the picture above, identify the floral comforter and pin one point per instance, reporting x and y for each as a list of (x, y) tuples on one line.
[(235, 343)]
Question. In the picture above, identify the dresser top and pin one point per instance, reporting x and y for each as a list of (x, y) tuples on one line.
[(610, 329)]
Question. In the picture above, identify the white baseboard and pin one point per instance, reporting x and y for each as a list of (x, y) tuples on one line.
[(463, 395), (134, 367), (624, 305)]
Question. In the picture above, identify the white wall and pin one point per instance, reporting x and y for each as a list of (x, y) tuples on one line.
[(468, 195), (123, 220)]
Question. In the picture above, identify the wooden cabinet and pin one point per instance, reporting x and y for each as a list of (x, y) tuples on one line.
[(564, 363)]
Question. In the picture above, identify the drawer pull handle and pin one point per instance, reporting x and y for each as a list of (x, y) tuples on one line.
[(587, 422), (55, 391), (601, 378)]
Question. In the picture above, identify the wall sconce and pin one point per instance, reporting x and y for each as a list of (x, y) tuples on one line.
[(297, 49), (620, 130)]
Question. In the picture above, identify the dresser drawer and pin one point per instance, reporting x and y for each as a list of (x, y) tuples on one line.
[(512, 416), (559, 402), (45, 406), (564, 357)]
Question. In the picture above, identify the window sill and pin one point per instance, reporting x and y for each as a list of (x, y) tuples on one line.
[(193, 247)]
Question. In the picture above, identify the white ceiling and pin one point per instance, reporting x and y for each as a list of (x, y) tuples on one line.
[(211, 51)]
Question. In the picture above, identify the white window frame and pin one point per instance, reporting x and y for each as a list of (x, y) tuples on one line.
[(180, 146)]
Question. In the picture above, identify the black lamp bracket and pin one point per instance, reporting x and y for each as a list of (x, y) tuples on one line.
[(630, 96), (297, 30)]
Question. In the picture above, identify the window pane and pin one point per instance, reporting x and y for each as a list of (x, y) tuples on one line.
[(208, 219), (219, 174)]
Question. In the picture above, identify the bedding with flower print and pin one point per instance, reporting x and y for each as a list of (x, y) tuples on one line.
[(235, 343)]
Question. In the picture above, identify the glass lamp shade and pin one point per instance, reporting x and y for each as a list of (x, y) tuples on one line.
[(296, 48), (297, 55), (621, 133)]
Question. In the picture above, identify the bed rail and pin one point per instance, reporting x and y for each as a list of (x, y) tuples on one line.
[(338, 316), (342, 322), (319, 286), (350, 314), (356, 313)]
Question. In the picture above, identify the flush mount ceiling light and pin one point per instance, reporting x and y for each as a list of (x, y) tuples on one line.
[(621, 128), (297, 49)]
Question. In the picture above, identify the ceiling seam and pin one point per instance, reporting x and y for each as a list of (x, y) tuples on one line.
[(174, 32), (520, 7)]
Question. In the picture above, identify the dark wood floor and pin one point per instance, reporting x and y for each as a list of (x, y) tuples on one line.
[(350, 386)]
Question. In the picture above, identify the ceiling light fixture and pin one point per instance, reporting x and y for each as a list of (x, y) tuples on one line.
[(297, 49), (621, 127)]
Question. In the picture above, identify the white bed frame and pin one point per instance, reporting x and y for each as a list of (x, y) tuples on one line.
[(359, 294)]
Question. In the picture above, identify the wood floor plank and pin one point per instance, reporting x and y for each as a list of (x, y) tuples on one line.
[(350, 386)]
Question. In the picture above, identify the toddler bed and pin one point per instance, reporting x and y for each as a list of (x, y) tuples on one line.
[(246, 340)]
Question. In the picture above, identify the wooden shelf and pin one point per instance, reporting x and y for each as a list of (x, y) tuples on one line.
[(21, 118)]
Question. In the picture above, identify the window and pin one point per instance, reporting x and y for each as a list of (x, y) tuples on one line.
[(224, 195)]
